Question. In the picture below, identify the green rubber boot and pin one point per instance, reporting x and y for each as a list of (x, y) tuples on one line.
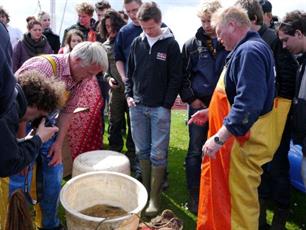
[(145, 166), (157, 178)]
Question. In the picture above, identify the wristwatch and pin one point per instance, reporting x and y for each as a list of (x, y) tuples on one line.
[(218, 141)]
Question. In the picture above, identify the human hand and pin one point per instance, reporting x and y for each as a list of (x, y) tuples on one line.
[(45, 133), (197, 104), (113, 83), (56, 153), (24, 171), (124, 79), (210, 148), (199, 118), (130, 101)]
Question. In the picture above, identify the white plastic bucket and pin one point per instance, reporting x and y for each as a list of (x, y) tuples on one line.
[(101, 160), (110, 188)]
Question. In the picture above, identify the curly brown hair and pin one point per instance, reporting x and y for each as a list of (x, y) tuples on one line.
[(85, 8), (293, 21), (46, 94)]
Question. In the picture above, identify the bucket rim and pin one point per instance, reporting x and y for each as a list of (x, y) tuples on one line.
[(82, 163), (99, 152), (77, 214)]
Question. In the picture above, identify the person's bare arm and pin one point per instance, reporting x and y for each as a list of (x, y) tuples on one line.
[(56, 149), (121, 70), (199, 118)]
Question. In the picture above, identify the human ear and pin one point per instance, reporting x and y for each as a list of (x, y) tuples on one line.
[(231, 27), (298, 33)]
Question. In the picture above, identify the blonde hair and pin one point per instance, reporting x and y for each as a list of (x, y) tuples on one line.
[(91, 53), (40, 15), (208, 7), (233, 13)]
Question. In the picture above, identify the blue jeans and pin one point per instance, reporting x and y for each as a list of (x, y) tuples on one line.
[(52, 179), (151, 133), (51, 186), (193, 160)]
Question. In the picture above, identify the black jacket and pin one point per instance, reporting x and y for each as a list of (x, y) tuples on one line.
[(53, 39), (14, 156), (285, 64), (7, 79), (203, 61), (299, 107), (83, 29), (154, 74)]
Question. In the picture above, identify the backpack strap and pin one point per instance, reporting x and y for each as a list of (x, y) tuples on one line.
[(52, 62)]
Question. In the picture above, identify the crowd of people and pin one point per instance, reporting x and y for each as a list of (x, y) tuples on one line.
[(242, 75)]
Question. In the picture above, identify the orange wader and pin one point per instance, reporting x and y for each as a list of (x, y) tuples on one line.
[(228, 189)]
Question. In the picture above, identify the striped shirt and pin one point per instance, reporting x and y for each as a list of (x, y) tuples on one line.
[(63, 73)]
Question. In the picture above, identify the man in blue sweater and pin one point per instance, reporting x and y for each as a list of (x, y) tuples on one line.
[(123, 43), (244, 127), (275, 181)]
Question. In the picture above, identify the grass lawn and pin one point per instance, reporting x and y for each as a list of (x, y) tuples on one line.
[(176, 196)]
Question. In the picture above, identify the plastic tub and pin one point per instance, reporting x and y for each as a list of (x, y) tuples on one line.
[(101, 160), (110, 188), (295, 156)]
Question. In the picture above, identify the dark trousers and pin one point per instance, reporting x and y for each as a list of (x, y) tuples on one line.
[(118, 110), (104, 87), (193, 160), (275, 180)]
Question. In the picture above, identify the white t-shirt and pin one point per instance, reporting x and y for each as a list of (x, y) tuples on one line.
[(152, 40), (15, 35)]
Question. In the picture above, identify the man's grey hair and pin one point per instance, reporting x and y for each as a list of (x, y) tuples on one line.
[(91, 53), (233, 13)]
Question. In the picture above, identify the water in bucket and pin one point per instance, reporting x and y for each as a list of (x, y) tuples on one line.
[(90, 190), (104, 211)]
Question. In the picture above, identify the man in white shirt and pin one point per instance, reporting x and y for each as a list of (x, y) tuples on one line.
[(15, 33)]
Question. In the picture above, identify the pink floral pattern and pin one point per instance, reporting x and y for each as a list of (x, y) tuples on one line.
[(85, 132)]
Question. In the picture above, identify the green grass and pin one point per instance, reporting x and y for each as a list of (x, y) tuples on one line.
[(175, 198)]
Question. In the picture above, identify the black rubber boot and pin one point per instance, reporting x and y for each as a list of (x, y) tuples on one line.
[(193, 201), (263, 205), (279, 219)]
